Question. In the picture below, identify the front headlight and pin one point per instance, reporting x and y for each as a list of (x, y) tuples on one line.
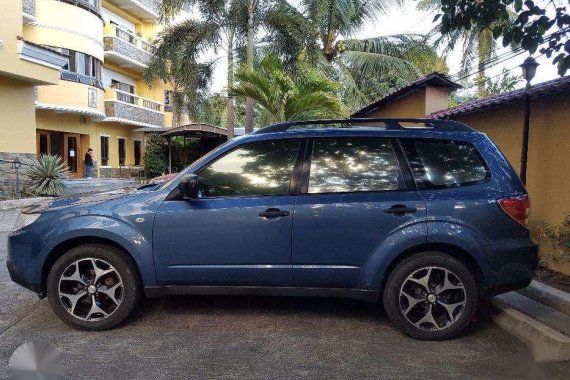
[(25, 220)]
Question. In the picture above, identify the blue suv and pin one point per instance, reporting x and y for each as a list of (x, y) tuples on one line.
[(426, 216)]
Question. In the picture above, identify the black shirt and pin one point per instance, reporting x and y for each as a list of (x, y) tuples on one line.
[(88, 159)]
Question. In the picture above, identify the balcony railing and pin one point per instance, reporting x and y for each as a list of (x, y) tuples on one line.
[(145, 9), (136, 50), (29, 7), (130, 107), (93, 6)]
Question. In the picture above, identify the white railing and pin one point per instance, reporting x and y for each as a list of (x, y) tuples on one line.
[(127, 97), (127, 36)]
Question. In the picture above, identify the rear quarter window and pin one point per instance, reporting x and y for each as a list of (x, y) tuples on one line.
[(445, 163)]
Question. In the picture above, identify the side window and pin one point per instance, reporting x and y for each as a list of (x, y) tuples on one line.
[(440, 163), (351, 165), (263, 168)]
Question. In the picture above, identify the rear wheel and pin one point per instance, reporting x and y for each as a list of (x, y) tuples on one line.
[(431, 296), (93, 287)]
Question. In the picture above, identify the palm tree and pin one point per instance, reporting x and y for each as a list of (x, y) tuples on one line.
[(282, 96), (176, 62), (478, 46), (316, 32)]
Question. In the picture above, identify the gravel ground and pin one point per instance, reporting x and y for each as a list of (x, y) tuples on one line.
[(257, 338)]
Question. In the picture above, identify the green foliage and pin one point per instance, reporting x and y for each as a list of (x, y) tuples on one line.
[(528, 29), (155, 156), (558, 237), (184, 152), (47, 176), (212, 110), (505, 82), (283, 96)]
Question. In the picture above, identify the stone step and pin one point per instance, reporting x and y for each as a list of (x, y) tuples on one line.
[(544, 329), (549, 296)]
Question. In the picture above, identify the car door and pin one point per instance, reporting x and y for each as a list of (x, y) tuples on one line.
[(353, 195), (238, 232)]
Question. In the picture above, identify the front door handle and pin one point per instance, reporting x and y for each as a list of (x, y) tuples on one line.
[(272, 213), (400, 210)]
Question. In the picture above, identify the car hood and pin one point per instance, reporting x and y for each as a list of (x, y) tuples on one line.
[(80, 200)]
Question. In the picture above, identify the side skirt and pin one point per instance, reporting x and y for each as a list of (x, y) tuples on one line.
[(359, 294)]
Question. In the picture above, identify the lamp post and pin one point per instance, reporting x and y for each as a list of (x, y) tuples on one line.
[(528, 71)]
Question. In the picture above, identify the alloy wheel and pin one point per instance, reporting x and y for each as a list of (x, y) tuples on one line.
[(432, 298), (90, 289)]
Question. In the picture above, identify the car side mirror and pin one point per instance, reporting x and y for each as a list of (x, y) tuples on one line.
[(188, 187)]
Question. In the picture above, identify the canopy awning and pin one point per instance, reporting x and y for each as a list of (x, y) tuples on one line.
[(196, 130)]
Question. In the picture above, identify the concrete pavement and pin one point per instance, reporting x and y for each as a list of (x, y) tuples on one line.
[(257, 338)]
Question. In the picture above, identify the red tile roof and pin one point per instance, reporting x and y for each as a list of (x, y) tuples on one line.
[(542, 89), (431, 80)]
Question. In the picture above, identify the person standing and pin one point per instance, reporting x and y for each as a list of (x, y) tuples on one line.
[(89, 163)]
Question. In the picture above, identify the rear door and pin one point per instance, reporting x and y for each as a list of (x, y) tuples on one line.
[(354, 193)]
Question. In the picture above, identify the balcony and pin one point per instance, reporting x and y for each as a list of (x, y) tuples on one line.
[(126, 49), (127, 108), (147, 10)]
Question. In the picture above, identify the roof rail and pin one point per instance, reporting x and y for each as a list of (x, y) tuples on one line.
[(388, 124)]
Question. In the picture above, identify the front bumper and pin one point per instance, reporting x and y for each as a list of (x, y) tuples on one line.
[(19, 279)]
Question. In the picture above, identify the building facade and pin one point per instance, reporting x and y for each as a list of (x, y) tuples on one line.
[(90, 94)]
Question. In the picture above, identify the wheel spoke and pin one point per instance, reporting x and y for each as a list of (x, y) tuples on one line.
[(100, 272), (423, 281), (110, 292), (447, 285), (95, 309), (428, 318), (76, 276), (450, 308), (73, 299), (412, 301)]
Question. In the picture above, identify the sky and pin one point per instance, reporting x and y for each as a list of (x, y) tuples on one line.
[(410, 20)]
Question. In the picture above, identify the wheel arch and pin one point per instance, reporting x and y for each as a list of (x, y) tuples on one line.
[(449, 249), (65, 246)]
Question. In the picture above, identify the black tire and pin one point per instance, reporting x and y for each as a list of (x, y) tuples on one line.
[(399, 278), (129, 293)]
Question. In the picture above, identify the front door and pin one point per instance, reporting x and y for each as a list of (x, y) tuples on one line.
[(238, 232), (72, 155), (353, 196)]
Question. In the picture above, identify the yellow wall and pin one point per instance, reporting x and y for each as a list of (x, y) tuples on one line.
[(10, 63), (548, 172), (71, 94), (413, 105), (17, 116)]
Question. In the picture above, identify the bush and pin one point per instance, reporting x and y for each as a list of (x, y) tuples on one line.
[(558, 238), (155, 156), (47, 176)]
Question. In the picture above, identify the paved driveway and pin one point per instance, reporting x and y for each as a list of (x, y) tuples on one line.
[(257, 338)]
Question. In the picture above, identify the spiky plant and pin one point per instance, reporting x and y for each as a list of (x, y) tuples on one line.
[(47, 176)]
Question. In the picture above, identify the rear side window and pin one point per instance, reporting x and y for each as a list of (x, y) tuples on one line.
[(442, 163), (354, 165)]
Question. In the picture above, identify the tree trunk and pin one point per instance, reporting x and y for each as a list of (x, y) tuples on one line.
[(484, 53), (248, 101), (230, 106)]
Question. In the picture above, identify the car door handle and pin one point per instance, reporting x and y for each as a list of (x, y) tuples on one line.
[(400, 210), (271, 213)]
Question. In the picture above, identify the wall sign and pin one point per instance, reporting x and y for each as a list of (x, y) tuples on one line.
[(92, 98)]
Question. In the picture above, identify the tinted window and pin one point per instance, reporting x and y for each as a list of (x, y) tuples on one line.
[(255, 169), (448, 163), (349, 165)]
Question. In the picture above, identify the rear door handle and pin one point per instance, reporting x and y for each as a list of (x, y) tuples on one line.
[(272, 213), (400, 210)]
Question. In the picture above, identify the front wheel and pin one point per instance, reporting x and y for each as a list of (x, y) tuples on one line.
[(93, 287), (431, 296)]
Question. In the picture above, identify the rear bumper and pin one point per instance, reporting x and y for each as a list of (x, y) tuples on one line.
[(508, 266)]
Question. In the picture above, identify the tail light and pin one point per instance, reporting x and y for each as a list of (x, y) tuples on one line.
[(517, 208)]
